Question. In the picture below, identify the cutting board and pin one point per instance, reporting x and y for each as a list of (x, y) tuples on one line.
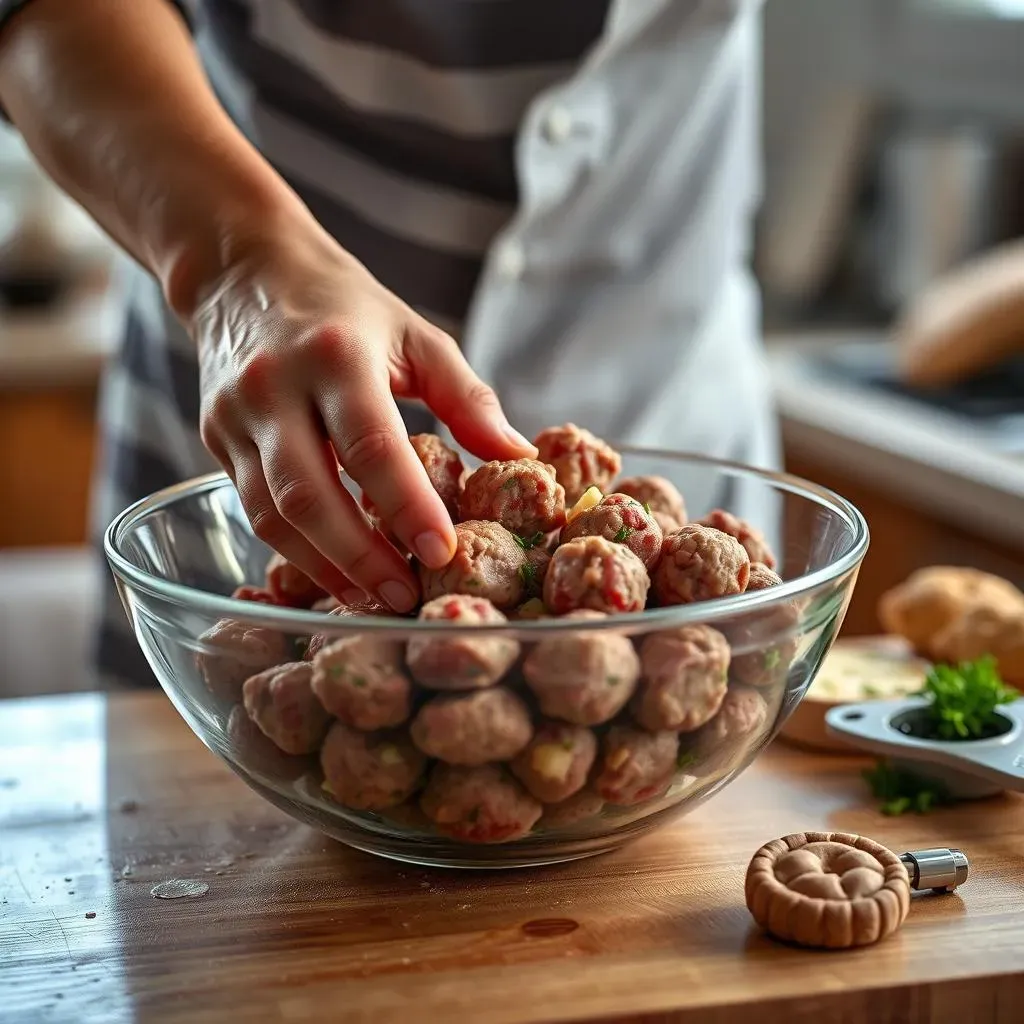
[(102, 799)]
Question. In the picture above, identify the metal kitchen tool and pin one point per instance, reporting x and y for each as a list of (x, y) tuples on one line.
[(969, 769), (941, 870)]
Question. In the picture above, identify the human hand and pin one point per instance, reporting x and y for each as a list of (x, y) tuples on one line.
[(302, 354)]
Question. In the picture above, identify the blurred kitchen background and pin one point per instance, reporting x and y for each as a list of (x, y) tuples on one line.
[(894, 152)]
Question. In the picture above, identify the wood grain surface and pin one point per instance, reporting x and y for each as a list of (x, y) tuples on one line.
[(103, 798)]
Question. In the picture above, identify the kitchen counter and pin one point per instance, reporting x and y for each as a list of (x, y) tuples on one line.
[(921, 457), (103, 798)]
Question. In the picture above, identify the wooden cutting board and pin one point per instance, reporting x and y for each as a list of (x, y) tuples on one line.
[(101, 799)]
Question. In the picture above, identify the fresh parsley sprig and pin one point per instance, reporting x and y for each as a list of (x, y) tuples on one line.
[(963, 699), (901, 791)]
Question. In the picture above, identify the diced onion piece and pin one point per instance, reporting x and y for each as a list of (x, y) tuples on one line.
[(551, 761), (617, 758), (532, 609), (390, 755), (588, 499)]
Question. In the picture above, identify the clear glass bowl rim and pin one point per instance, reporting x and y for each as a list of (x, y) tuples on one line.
[(308, 622)]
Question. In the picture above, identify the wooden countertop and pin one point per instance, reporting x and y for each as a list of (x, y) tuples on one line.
[(102, 798)]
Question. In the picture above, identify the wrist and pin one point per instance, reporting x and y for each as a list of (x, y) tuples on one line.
[(228, 231)]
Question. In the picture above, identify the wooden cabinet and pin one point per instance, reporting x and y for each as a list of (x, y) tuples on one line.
[(903, 539), (47, 444)]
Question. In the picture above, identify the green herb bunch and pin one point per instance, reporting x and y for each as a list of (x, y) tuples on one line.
[(964, 699), (901, 791)]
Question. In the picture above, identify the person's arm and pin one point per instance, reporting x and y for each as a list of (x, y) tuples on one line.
[(300, 349)]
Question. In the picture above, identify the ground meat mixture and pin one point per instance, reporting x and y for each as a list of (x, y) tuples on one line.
[(556, 762), (581, 460), (290, 585), (684, 678), (282, 703), (749, 536), (473, 728), (622, 520), (369, 771), (237, 651), (699, 563), (460, 662), (585, 678), (523, 495), (658, 494), (636, 765), (478, 805), (595, 574), (361, 681), (488, 562)]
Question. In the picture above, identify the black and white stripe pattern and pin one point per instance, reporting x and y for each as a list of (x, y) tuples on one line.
[(396, 121)]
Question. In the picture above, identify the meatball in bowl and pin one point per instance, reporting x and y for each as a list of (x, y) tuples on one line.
[(616, 635)]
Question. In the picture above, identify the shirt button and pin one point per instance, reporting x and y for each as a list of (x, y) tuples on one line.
[(511, 260), (558, 124)]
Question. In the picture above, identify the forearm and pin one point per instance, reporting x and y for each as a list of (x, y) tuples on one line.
[(112, 101)]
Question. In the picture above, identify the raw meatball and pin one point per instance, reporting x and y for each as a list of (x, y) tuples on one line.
[(488, 563), (930, 600), (585, 678), (238, 651), (596, 574), (622, 520), (478, 805), (636, 765), (699, 563), (762, 577), (580, 459), (252, 751), (749, 536), (557, 761), (369, 771), (460, 662), (473, 728), (290, 585), (684, 678), (282, 703), (260, 595), (444, 470), (731, 733), (369, 607), (360, 681), (658, 494), (769, 664), (579, 807), (522, 495)]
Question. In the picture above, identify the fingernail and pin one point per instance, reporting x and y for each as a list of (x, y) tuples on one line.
[(515, 437), (354, 596), (432, 549), (398, 595)]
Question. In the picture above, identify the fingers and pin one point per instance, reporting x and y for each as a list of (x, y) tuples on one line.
[(246, 471), (306, 493), (459, 398), (371, 443)]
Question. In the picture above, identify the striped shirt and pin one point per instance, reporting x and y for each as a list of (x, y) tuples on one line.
[(566, 186)]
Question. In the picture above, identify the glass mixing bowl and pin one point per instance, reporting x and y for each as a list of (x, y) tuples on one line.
[(179, 554)]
